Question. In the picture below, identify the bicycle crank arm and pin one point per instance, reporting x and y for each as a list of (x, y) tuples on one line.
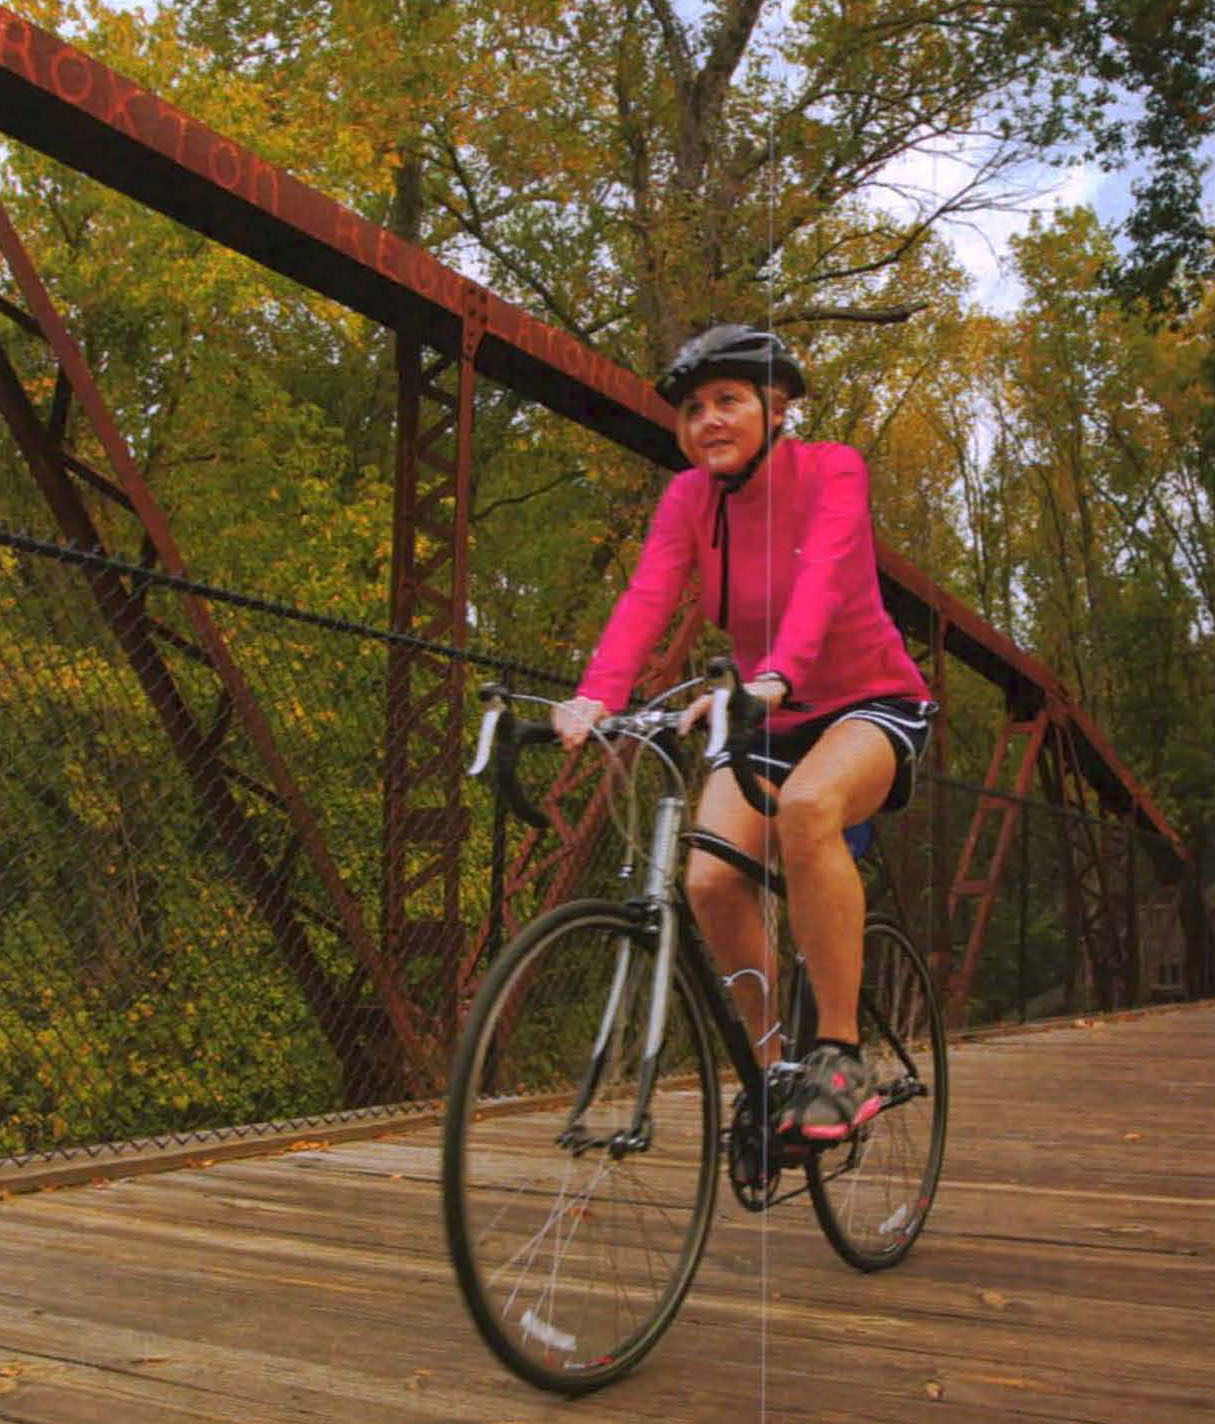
[(619, 1144)]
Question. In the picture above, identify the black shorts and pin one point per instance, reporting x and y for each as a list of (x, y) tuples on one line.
[(906, 723)]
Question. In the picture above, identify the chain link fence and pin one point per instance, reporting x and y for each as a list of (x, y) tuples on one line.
[(176, 964), (1087, 914)]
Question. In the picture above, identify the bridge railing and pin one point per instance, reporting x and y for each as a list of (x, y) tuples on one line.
[(155, 987)]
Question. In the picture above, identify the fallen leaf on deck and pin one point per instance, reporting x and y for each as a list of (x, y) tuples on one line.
[(1132, 1137), (1007, 1381), (994, 1299), (307, 1146), (934, 1389)]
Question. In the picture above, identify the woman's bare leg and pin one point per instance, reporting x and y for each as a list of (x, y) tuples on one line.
[(843, 779), (728, 912)]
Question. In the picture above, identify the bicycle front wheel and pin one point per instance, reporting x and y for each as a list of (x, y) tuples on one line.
[(574, 1247), (873, 1192)]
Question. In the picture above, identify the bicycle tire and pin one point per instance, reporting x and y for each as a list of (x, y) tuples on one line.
[(573, 1263), (872, 1193)]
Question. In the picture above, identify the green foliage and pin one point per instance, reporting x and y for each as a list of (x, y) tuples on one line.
[(1091, 512)]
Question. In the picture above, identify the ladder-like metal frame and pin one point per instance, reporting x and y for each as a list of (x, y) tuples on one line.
[(424, 814), (201, 747), (980, 887), (1097, 851)]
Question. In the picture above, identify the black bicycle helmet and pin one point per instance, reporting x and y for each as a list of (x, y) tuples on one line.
[(744, 352)]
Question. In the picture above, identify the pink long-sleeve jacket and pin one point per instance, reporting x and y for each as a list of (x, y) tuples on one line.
[(803, 589)]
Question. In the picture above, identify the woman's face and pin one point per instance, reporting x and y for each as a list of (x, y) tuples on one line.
[(720, 425)]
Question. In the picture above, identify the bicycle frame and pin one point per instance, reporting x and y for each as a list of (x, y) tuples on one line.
[(664, 909)]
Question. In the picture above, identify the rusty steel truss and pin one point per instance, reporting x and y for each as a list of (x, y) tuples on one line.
[(449, 331)]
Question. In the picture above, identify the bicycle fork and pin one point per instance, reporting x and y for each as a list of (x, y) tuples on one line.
[(657, 903)]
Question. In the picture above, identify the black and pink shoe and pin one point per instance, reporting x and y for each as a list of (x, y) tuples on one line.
[(836, 1095)]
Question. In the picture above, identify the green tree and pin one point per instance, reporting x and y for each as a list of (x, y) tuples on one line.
[(1108, 561)]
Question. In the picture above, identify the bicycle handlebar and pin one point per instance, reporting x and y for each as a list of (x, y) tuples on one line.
[(733, 716), (503, 736)]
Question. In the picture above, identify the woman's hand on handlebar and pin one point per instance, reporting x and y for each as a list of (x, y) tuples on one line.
[(573, 720), (767, 691), (695, 711)]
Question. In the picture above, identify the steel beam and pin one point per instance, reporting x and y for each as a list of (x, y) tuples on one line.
[(58, 99)]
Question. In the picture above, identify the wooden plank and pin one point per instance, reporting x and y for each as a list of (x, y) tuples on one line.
[(1066, 1274)]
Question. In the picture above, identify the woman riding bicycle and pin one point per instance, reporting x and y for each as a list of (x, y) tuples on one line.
[(779, 532)]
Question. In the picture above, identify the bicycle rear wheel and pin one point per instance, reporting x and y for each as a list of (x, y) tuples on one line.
[(873, 1192), (572, 1251)]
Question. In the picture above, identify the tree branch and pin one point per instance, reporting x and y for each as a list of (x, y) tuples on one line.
[(726, 49), (563, 479), (471, 223), (873, 316), (675, 39)]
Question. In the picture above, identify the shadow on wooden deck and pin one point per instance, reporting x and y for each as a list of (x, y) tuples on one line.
[(1067, 1273)]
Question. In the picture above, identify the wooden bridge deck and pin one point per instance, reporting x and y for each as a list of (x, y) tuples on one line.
[(1068, 1273)]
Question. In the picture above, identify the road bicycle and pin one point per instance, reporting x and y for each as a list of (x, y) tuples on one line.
[(583, 1129)]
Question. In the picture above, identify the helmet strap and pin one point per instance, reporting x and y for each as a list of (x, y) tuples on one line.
[(731, 484)]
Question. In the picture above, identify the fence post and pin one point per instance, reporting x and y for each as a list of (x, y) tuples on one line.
[(1023, 920), (497, 879), (1134, 950)]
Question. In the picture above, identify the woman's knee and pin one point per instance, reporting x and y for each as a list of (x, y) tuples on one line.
[(810, 815), (712, 886)]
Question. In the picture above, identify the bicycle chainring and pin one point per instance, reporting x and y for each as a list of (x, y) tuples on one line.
[(753, 1159)]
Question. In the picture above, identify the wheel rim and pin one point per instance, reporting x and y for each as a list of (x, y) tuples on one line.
[(874, 1191), (574, 1260)]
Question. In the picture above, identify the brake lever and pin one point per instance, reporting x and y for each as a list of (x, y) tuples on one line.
[(496, 697), (719, 722)]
